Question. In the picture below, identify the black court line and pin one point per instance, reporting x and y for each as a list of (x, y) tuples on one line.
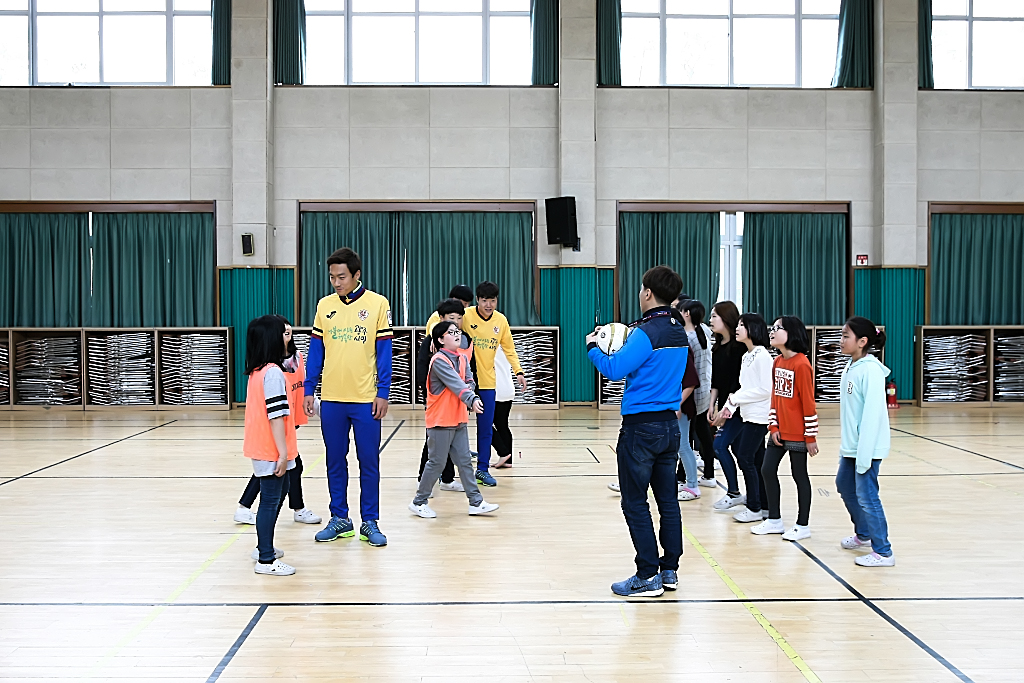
[(892, 622), (595, 457), (237, 644), (980, 455), (93, 450), (391, 436)]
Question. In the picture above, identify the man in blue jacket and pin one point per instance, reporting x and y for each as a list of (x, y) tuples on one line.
[(652, 361)]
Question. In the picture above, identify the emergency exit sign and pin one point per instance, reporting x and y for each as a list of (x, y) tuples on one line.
[(862, 259)]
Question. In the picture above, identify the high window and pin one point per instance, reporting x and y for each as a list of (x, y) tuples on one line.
[(978, 43), (486, 42), (788, 43), (730, 283)]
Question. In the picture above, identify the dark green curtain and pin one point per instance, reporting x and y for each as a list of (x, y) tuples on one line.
[(282, 292), (977, 269), (289, 42), (548, 296), (445, 248), (153, 270), (855, 60), (544, 22), (44, 269), (221, 11), (688, 242), (373, 235), (893, 297), (795, 264), (925, 76), (609, 42)]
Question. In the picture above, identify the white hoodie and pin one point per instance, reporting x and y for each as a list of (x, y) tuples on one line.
[(504, 389), (754, 396)]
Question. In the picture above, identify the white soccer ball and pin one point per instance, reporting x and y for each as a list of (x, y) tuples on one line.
[(612, 336)]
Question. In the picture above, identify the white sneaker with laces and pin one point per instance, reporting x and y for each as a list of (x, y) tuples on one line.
[(456, 485), (614, 486), (278, 554), (685, 493), (797, 533), (483, 508), (423, 511), (875, 560), (853, 542), (707, 483), (726, 502), (245, 515), (306, 516), (278, 568), (747, 515), (768, 526)]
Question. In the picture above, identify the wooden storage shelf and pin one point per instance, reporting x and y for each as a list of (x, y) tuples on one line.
[(987, 370), (5, 369), (73, 375)]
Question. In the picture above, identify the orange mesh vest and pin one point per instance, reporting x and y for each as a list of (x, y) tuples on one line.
[(259, 442), (445, 409), (296, 393)]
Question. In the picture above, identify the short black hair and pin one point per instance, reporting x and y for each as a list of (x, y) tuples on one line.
[(348, 257), (487, 290), (757, 328), (264, 343), (796, 334), (664, 283), (450, 306), (461, 292), (440, 329)]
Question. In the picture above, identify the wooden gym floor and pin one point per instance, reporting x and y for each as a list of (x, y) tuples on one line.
[(122, 562)]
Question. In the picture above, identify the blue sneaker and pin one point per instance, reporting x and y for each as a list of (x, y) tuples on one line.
[(485, 478), (635, 587), (669, 580), (338, 527), (370, 532)]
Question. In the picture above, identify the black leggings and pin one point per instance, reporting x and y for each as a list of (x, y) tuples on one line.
[(770, 476), (294, 475), (447, 474), (701, 429), (502, 439)]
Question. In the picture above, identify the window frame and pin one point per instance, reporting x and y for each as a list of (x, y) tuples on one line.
[(970, 19), (798, 17)]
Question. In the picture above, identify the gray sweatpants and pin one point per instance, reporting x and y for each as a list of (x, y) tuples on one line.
[(443, 442)]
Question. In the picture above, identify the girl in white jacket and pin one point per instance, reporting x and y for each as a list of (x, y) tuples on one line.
[(745, 417), (504, 395)]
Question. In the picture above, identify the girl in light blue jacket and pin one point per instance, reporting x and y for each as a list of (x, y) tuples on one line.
[(864, 421)]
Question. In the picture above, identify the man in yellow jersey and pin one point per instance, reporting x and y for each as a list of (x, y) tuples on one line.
[(351, 347), (461, 292), (488, 329)]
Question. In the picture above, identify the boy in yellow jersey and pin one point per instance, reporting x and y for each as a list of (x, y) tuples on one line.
[(351, 347), (461, 292), (488, 329)]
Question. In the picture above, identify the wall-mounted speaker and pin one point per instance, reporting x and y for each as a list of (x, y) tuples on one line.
[(248, 248), (561, 216)]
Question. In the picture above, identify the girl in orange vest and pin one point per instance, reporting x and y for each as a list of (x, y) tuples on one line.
[(449, 394), (269, 433)]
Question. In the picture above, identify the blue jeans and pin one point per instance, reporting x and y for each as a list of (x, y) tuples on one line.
[(336, 421), (484, 429), (686, 454), (272, 492), (727, 433), (860, 493), (647, 454)]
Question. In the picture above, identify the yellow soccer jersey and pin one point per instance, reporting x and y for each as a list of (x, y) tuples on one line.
[(350, 328), (433, 320), (486, 336)]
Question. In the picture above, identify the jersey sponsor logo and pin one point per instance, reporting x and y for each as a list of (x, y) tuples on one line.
[(331, 314), (389, 317), (363, 314), (784, 381), (354, 333)]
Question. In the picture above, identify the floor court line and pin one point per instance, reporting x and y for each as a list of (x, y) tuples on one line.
[(964, 450), (237, 644)]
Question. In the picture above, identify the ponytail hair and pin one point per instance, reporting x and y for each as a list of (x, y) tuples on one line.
[(696, 310), (862, 327)]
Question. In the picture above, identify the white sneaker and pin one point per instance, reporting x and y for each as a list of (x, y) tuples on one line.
[(245, 515), (797, 533), (483, 508), (685, 493), (853, 542), (278, 554), (747, 515), (422, 510), (278, 568), (456, 485), (707, 483), (768, 526), (306, 516), (876, 560), (727, 501), (614, 486)]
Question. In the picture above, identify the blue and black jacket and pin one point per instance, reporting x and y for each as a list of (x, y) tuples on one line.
[(652, 361)]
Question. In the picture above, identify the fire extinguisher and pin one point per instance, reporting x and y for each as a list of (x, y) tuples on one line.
[(890, 396)]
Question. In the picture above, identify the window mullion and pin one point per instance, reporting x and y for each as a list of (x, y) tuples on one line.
[(33, 52), (799, 42), (663, 49), (348, 42), (970, 44), (101, 60), (169, 48), (416, 46), (485, 32), (731, 60)]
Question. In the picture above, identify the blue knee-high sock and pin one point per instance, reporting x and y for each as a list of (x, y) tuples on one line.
[(485, 429)]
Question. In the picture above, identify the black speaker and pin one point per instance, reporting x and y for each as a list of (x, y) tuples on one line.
[(561, 215)]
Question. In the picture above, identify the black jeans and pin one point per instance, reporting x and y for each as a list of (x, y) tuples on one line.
[(502, 439), (647, 454), (447, 474), (701, 429), (749, 451), (770, 476), (272, 492), (294, 476)]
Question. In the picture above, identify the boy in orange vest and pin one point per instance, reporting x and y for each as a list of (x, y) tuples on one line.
[(449, 394)]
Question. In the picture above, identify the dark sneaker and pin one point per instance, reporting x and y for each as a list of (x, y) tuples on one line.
[(338, 527), (669, 580), (635, 587), (485, 478), (370, 533)]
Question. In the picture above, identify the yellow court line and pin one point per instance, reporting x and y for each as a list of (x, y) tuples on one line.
[(784, 645)]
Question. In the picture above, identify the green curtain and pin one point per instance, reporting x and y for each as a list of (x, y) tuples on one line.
[(605, 295), (925, 76), (549, 296), (153, 270), (444, 248), (855, 60), (221, 11), (544, 22), (578, 313), (977, 269), (44, 276), (688, 242), (289, 42), (893, 297), (373, 235), (282, 292), (609, 42), (795, 264)]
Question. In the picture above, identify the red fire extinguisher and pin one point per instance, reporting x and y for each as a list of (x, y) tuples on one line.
[(890, 396)]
